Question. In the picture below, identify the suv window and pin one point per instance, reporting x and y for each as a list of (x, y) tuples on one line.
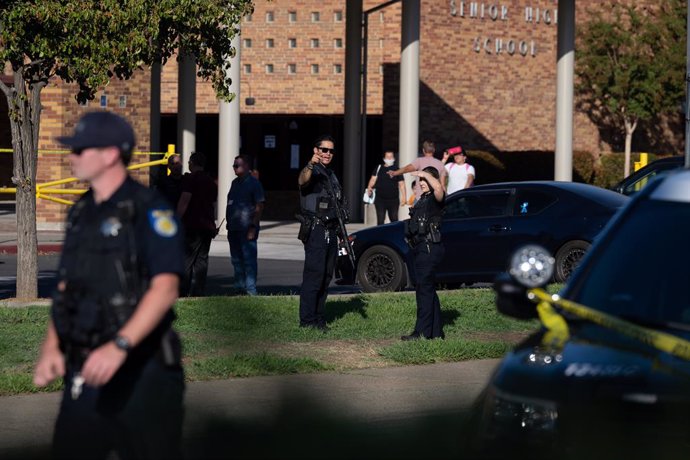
[(640, 271), (484, 204), (531, 202), (638, 184)]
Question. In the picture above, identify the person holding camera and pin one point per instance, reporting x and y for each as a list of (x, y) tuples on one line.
[(390, 191), (423, 234), (460, 173)]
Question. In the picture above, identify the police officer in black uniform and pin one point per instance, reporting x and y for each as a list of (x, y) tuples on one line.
[(110, 332), (320, 192), (423, 234)]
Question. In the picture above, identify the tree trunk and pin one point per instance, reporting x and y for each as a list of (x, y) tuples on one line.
[(630, 126), (25, 107)]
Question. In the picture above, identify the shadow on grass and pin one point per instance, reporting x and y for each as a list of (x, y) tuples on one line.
[(337, 308)]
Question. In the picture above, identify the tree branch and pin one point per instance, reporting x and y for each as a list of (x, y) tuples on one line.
[(5, 89)]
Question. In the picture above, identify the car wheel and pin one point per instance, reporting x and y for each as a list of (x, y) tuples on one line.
[(568, 258), (380, 268)]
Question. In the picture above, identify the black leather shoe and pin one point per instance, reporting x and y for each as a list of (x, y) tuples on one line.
[(413, 336)]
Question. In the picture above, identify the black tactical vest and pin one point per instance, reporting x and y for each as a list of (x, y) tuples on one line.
[(316, 197), (104, 278)]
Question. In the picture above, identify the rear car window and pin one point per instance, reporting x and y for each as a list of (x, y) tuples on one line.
[(530, 202), (484, 204)]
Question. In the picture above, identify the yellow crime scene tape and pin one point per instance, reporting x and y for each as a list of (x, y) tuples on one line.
[(45, 191), (558, 328)]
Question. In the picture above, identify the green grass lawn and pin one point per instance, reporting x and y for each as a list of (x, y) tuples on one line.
[(246, 336)]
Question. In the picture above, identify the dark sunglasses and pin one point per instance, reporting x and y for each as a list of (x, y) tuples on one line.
[(327, 150), (77, 152), (236, 165)]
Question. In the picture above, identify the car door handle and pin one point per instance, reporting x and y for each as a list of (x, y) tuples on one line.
[(498, 228)]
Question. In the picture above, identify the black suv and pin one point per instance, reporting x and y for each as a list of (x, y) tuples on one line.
[(637, 180), (608, 374)]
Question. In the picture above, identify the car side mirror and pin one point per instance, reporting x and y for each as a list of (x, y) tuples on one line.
[(530, 267)]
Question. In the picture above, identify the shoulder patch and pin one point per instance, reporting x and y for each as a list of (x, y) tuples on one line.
[(163, 222)]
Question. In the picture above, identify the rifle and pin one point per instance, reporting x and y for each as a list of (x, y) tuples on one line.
[(339, 212)]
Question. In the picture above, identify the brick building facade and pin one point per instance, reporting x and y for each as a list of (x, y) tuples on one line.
[(487, 70)]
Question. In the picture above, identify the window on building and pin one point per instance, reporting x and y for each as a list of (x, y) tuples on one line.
[(247, 42), (292, 43), (269, 43), (269, 16), (315, 16), (292, 16), (338, 43), (338, 16), (314, 69), (337, 68), (269, 68), (247, 68), (292, 69), (314, 42)]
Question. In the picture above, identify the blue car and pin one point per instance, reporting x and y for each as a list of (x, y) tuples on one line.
[(481, 227)]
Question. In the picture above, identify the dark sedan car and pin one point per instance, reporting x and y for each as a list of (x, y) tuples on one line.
[(608, 375), (481, 227)]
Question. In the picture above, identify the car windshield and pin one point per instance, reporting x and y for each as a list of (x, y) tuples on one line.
[(641, 271)]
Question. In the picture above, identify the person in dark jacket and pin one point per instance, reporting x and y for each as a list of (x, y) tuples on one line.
[(423, 234), (110, 333)]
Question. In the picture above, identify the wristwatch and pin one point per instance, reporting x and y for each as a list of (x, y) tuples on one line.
[(122, 343), (310, 166)]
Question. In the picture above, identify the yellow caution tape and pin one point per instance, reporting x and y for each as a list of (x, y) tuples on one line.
[(559, 329)]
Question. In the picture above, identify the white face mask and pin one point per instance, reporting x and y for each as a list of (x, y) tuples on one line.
[(388, 162)]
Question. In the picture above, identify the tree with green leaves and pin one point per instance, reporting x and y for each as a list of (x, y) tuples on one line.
[(89, 42), (630, 65)]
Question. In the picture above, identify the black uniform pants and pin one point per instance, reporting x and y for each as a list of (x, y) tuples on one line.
[(320, 252), (197, 245), (139, 417), (382, 205), (427, 257)]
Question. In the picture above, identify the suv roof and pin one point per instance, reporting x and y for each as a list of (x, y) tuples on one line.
[(636, 181)]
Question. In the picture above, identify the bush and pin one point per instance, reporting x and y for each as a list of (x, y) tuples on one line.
[(609, 171), (583, 167)]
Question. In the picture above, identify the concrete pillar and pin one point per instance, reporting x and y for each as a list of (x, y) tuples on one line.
[(352, 182), (186, 108), (409, 88), (563, 167), (228, 135)]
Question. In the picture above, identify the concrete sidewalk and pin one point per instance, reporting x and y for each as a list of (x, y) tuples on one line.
[(349, 410), (277, 239)]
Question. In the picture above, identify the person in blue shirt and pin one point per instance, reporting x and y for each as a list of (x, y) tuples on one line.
[(243, 214)]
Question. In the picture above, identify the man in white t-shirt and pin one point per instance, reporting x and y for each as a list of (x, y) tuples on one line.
[(460, 174)]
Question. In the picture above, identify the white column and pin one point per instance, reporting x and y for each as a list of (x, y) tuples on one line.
[(409, 87), (228, 135), (186, 108), (563, 165)]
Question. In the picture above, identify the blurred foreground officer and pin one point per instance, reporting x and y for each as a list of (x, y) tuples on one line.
[(110, 332), (423, 234), (320, 198)]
